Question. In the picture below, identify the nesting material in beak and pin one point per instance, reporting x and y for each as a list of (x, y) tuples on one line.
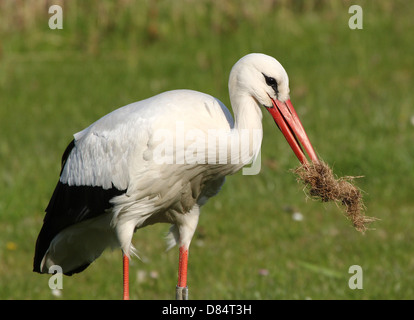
[(323, 185)]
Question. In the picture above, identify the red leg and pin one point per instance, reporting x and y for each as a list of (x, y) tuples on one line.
[(182, 267), (182, 290), (126, 276)]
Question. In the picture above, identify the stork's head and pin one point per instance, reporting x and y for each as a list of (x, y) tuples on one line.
[(264, 79)]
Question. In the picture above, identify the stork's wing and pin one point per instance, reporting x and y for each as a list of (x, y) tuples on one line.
[(70, 205)]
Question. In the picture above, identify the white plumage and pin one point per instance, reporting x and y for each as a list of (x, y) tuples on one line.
[(123, 140), (157, 160)]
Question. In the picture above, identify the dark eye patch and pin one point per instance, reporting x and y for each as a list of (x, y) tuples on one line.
[(271, 82)]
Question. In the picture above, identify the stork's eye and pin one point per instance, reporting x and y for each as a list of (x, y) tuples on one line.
[(271, 82)]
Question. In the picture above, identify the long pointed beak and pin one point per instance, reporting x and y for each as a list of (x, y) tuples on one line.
[(288, 122)]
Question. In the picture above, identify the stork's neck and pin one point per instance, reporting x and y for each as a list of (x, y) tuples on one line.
[(247, 113), (247, 122)]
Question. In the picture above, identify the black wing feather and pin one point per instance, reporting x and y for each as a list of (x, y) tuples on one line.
[(70, 205)]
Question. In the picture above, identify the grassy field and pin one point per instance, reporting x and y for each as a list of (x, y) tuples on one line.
[(351, 88)]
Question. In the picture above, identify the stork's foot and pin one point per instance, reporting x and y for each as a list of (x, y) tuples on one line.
[(181, 293)]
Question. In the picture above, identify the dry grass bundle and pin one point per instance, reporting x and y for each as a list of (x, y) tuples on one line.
[(323, 185)]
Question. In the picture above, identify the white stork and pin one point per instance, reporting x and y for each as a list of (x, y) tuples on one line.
[(156, 161)]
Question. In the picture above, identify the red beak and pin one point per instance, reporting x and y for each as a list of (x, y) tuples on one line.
[(288, 122)]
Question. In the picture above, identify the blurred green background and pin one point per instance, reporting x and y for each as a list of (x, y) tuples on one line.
[(351, 88)]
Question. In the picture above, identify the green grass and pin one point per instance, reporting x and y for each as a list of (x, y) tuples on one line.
[(352, 90)]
